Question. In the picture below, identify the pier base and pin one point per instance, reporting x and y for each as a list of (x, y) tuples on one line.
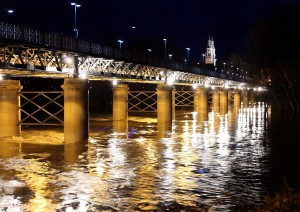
[(164, 103), (216, 101), (76, 109), (200, 100), (10, 110), (236, 99), (223, 101), (120, 102)]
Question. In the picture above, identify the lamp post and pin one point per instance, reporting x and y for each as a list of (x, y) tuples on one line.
[(75, 5), (170, 57), (120, 42), (203, 55), (187, 53), (165, 56), (149, 52), (8, 12), (224, 65)]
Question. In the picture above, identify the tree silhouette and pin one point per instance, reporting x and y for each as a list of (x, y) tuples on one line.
[(274, 46)]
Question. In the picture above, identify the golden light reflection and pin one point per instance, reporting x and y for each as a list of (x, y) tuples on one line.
[(36, 175), (145, 185), (186, 155), (171, 163), (223, 137)]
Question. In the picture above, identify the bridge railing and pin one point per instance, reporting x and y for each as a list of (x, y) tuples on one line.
[(22, 34)]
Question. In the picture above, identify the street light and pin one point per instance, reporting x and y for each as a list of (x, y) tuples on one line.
[(75, 21), (120, 41), (10, 11), (224, 65), (165, 40), (170, 56), (187, 53), (203, 55), (149, 52)]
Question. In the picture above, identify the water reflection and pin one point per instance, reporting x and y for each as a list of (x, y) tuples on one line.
[(199, 160)]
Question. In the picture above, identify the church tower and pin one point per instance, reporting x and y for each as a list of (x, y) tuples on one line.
[(210, 54)]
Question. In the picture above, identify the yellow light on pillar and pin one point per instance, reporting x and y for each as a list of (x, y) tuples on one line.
[(82, 76)]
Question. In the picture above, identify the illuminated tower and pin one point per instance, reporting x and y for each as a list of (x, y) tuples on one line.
[(210, 54)]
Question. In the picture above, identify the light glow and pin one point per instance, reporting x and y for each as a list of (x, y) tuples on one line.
[(82, 76), (226, 85)]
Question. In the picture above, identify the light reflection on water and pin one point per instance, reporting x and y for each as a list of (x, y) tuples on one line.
[(200, 160)]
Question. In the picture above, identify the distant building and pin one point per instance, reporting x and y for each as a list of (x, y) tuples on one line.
[(210, 54)]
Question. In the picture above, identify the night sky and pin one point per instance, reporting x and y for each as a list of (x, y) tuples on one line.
[(184, 23)]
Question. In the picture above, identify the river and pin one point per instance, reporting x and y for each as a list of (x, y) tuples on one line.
[(198, 162)]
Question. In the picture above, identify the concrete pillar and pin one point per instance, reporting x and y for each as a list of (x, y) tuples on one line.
[(237, 99), (245, 95), (223, 101), (76, 109), (164, 103), (164, 129), (200, 100), (215, 100), (173, 102), (120, 126), (72, 151), (10, 149), (10, 110), (201, 119), (120, 102)]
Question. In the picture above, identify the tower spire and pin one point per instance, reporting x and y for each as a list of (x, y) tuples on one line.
[(210, 54)]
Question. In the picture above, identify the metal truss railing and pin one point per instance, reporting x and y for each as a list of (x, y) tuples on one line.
[(142, 101), (184, 98), (32, 49), (42, 108)]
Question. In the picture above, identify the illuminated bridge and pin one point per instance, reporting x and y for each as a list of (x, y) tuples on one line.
[(26, 52)]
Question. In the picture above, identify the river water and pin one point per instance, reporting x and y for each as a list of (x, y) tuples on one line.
[(198, 162)]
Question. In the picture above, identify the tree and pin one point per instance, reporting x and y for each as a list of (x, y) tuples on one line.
[(274, 45)]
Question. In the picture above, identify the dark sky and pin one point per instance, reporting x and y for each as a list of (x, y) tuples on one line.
[(184, 23)]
